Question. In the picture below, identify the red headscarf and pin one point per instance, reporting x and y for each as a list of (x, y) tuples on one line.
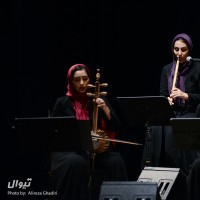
[(80, 100)]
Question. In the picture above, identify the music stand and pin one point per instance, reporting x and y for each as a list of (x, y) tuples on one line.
[(146, 111), (186, 133), (53, 134)]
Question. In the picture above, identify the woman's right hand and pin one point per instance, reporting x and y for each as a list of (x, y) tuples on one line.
[(170, 100)]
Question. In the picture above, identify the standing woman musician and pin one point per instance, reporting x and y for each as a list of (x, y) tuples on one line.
[(184, 99), (71, 170)]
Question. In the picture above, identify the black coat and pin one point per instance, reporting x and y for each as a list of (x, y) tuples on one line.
[(163, 148), (192, 85), (72, 173)]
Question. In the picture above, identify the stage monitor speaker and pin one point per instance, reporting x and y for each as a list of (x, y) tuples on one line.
[(171, 182), (129, 190)]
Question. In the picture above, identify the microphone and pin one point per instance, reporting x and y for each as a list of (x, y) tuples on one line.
[(189, 59)]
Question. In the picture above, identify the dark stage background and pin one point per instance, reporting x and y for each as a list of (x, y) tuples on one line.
[(128, 41)]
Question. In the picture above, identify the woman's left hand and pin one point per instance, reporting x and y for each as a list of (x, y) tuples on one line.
[(100, 103), (177, 93)]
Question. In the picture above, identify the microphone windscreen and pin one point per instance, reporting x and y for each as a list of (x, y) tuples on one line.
[(189, 59)]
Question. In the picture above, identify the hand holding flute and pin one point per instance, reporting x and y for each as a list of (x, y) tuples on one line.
[(176, 92)]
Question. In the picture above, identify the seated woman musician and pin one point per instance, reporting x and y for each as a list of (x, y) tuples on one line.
[(71, 171), (180, 84)]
